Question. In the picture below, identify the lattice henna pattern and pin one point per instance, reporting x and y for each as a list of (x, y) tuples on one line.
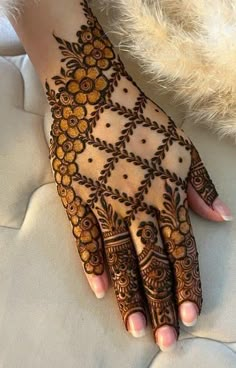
[(86, 91)]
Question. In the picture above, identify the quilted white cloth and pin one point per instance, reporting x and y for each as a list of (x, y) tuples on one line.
[(49, 317)]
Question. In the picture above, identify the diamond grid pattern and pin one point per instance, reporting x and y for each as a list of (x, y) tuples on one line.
[(118, 151)]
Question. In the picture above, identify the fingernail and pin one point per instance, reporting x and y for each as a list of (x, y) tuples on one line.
[(98, 286), (166, 338), (188, 313), (137, 324), (220, 207)]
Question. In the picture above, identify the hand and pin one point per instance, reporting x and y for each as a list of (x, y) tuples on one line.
[(116, 152)]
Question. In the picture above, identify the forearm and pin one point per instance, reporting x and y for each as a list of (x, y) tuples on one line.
[(36, 25)]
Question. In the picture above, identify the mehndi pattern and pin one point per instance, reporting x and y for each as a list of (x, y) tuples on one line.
[(116, 149), (181, 247), (157, 278), (200, 179), (122, 262)]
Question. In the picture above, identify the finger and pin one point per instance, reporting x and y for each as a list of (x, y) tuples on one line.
[(202, 195), (123, 267), (157, 280), (88, 239), (180, 244), (218, 212)]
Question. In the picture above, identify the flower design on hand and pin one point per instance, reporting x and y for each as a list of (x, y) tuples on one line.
[(73, 122), (56, 130), (87, 85), (89, 90), (176, 236), (67, 194), (87, 233), (87, 229), (65, 98), (67, 149), (88, 34), (148, 232), (98, 54), (63, 171), (56, 111), (84, 228)]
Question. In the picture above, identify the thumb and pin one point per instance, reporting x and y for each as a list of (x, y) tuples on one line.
[(202, 195), (217, 212)]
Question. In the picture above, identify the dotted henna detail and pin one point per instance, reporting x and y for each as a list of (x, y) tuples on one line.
[(84, 93)]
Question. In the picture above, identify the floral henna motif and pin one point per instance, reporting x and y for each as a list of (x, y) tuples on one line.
[(85, 94), (122, 262), (148, 232), (157, 279), (181, 247), (200, 179), (87, 85), (82, 83), (85, 230)]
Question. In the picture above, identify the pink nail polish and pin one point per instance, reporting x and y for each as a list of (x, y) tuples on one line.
[(220, 207), (98, 286), (166, 338), (137, 324), (188, 313)]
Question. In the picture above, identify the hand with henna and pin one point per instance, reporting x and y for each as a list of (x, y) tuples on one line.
[(126, 176)]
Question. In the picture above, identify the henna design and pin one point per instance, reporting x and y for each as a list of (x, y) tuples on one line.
[(122, 262), (147, 232), (85, 230), (200, 179), (84, 84), (181, 247), (157, 278), (85, 92)]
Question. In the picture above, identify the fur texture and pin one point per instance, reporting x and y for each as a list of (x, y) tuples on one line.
[(10, 7), (188, 46)]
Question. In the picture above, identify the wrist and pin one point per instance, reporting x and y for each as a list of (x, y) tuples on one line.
[(38, 21)]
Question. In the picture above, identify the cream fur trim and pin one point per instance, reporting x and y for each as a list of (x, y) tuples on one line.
[(190, 47), (10, 7)]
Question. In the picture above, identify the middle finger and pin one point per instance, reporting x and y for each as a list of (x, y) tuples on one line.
[(157, 279)]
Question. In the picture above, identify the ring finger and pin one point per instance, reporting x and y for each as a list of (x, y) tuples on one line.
[(180, 244)]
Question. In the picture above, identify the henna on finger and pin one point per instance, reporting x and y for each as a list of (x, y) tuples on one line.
[(200, 179), (85, 229), (157, 278), (180, 244), (122, 261)]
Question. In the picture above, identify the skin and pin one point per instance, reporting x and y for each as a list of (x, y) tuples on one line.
[(43, 29)]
